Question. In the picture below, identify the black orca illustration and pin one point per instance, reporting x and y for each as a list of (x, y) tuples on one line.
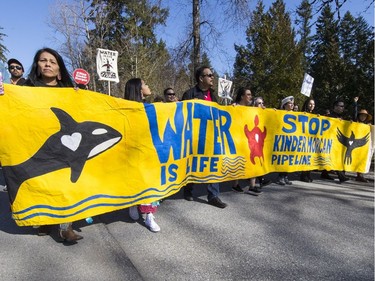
[(72, 146), (351, 143)]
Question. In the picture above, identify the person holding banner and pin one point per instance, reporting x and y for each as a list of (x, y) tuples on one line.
[(362, 117), (170, 95), (288, 105), (203, 91), (16, 71), (308, 107), (259, 102), (48, 70), (337, 112), (244, 97), (137, 90)]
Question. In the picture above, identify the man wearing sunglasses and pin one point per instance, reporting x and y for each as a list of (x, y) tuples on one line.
[(203, 90), (16, 72), (337, 112)]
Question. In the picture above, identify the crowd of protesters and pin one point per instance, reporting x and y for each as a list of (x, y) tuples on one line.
[(48, 70)]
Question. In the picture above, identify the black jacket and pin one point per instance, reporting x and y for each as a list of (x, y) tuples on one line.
[(38, 83), (21, 82), (197, 93), (335, 115)]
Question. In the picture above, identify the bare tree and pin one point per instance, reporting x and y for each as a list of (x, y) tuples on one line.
[(318, 5), (69, 21), (204, 33)]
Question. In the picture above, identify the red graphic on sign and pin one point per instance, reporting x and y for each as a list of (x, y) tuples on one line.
[(255, 139), (81, 76)]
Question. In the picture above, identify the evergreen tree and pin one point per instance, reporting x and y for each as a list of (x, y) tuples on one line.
[(304, 16), (357, 51), (364, 61), (271, 62), (326, 61), (129, 28), (249, 69)]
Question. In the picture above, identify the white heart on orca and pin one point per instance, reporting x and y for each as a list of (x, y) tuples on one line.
[(72, 142), (351, 142)]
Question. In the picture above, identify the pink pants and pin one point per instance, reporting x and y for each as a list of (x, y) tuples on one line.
[(147, 208)]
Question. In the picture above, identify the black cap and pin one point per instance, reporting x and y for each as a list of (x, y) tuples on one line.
[(15, 61)]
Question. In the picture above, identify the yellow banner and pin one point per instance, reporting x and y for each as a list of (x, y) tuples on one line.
[(69, 154)]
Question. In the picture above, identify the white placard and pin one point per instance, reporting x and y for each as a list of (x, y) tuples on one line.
[(307, 85), (224, 88), (106, 65)]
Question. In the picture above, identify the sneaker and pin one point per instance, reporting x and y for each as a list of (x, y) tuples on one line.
[(44, 230), (343, 179), (361, 179), (151, 223), (237, 188), (133, 213), (264, 183), (310, 178), (304, 178), (287, 181), (325, 175), (217, 202), (253, 191), (188, 195), (281, 181)]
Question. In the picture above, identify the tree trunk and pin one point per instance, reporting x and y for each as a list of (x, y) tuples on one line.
[(196, 36)]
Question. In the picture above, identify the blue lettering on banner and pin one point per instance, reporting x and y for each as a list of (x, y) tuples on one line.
[(172, 138), (284, 143), (314, 143), (313, 125), (179, 138), (291, 159)]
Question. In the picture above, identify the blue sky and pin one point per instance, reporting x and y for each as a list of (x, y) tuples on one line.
[(27, 29)]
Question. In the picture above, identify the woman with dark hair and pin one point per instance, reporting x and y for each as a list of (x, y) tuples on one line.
[(137, 90), (133, 90), (308, 107), (243, 97), (48, 70)]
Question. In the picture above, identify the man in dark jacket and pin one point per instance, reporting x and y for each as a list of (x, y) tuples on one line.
[(337, 112), (203, 91), (16, 72)]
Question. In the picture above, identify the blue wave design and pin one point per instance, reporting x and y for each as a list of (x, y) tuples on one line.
[(238, 158), (234, 163), (233, 169), (51, 215), (322, 161), (234, 166), (171, 188)]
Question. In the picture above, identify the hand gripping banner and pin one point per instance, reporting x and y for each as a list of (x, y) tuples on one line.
[(70, 154)]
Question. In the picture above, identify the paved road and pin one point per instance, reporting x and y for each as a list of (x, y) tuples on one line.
[(317, 231)]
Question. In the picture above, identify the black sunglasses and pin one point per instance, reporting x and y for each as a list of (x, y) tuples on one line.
[(171, 94), (208, 75), (15, 67)]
